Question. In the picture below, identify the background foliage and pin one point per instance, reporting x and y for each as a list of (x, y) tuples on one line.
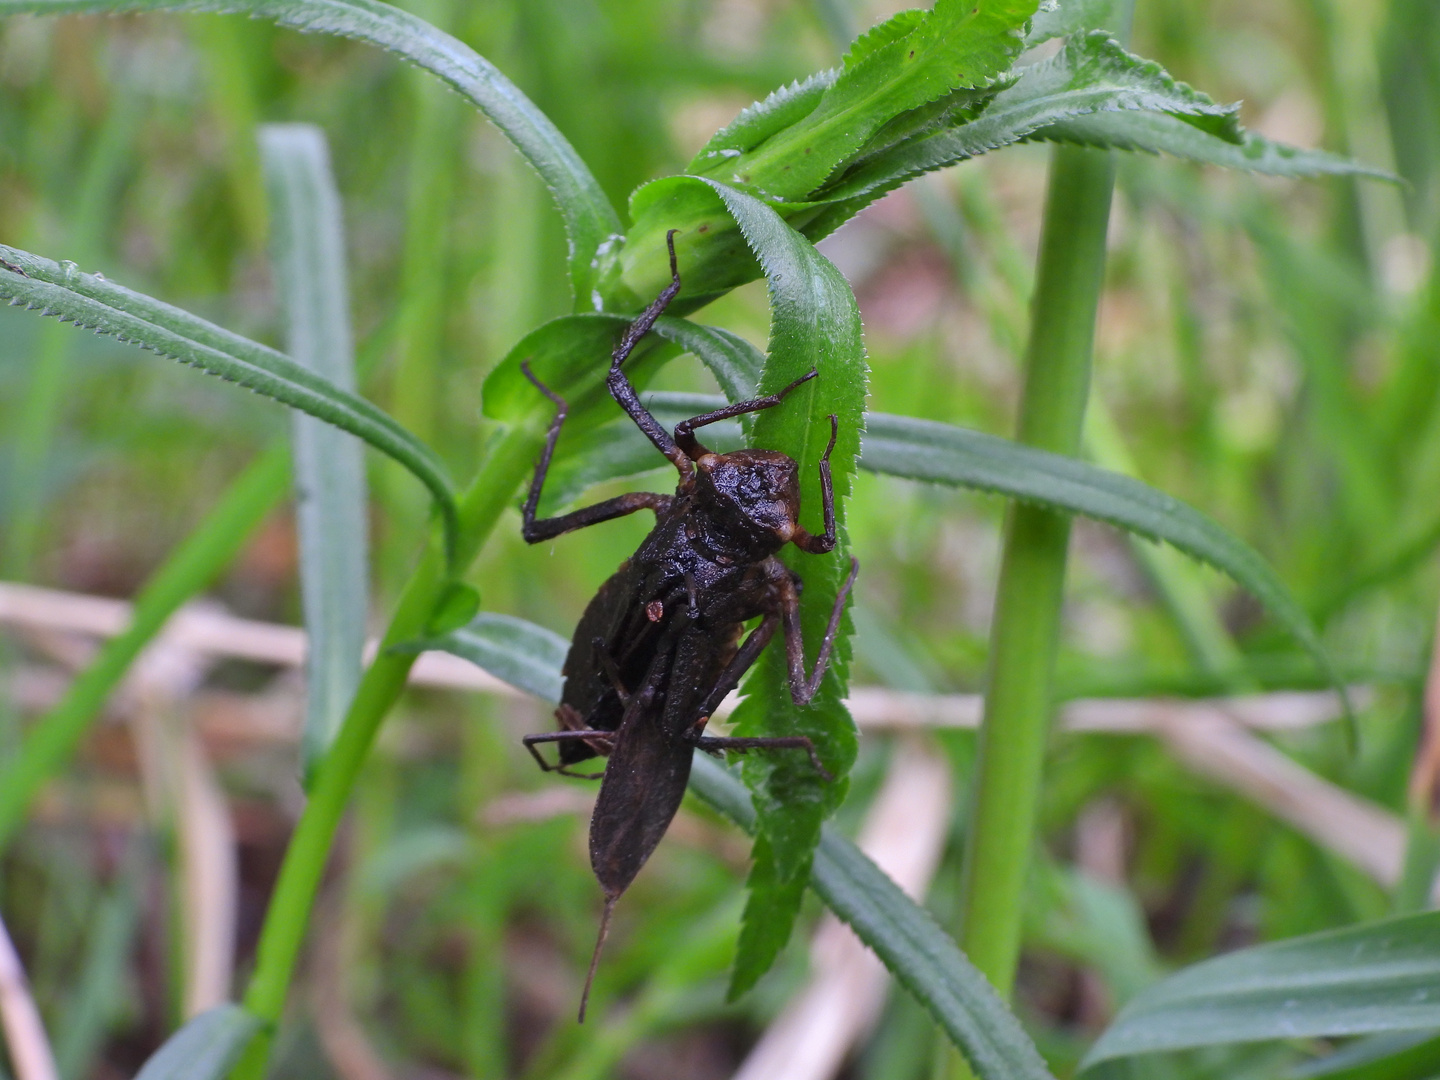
[(1265, 352)]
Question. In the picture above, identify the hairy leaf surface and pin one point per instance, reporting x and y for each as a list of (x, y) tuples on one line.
[(90, 301)]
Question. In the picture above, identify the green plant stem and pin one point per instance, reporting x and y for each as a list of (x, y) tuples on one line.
[(189, 569), (289, 911), (1018, 699)]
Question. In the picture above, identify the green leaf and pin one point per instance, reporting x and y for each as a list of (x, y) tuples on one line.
[(590, 220), (1377, 977), (90, 301), (308, 241), (205, 1048), (921, 956), (522, 654), (1091, 74), (900, 66), (456, 608), (1159, 133), (945, 454), (756, 123), (814, 325)]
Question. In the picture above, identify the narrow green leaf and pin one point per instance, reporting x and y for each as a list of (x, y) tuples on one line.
[(308, 242), (921, 956), (90, 301), (590, 220), (1159, 133), (945, 454), (1381, 976), (522, 654), (205, 1048), (904, 935), (814, 325), (1093, 73), (756, 123), (901, 65)]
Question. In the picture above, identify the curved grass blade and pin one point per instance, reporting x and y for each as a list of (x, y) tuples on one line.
[(521, 653), (90, 301), (1159, 133), (946, 454), (205, 1048), (309, 253), (1377, 977), (194, 563), (904, 935), (590, 220)]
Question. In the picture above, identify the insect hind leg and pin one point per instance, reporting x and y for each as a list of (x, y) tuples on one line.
[(531, 741)]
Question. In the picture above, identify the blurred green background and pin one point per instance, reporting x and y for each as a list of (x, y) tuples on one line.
[(1267, 350)]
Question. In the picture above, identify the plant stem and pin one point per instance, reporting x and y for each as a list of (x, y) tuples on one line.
[(1028, 603), (289, 912), (189, 569)]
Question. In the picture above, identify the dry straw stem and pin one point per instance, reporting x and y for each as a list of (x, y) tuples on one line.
[(184, 796), (30, 1053), (904, 832), (1209, 736)]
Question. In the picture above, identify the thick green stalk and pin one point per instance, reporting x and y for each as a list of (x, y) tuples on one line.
[(189, 569), (289, 911), (1018, 700)]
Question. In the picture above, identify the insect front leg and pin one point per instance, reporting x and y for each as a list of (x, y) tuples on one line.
[(803, 687), (684, 431), (536, 530), (623, 391)]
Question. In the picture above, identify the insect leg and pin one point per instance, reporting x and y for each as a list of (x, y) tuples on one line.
[(683, 431), (624, 391), (819, 545), (534, 530), (781, 742), (739, 664), (531, 741), (803, 687)]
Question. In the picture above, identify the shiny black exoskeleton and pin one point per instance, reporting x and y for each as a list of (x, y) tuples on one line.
[(660, 645)]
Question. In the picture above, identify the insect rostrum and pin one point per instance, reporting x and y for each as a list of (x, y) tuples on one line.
[(660, 645)]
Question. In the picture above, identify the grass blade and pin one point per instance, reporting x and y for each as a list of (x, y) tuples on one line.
[(309, 253), (1160, 133), (523, 654), (1379, 976), (589, 218), (946, 454), (96, 304), (205, 1048)]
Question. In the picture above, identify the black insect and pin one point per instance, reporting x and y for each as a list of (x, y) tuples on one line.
[(660, 645)]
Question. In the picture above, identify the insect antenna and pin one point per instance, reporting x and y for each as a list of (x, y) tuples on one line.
[(595, 957)]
